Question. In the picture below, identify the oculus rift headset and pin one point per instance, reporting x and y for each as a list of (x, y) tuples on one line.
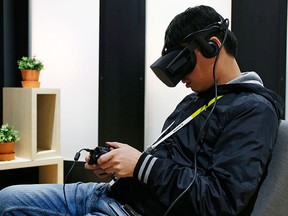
[(171, 67)]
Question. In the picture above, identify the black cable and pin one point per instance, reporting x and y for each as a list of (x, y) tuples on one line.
[(76, 158), (64, 193), (202, 128)]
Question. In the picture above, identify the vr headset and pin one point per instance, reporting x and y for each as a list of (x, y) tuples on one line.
[(171, 67)]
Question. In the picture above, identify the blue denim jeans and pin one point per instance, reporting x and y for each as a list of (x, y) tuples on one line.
[(48, 199)]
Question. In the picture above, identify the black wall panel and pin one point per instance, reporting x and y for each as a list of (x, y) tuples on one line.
[(260, 27), (122, 62), (14, 41)]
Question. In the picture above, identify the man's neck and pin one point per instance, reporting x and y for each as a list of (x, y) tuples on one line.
[(227, 71)]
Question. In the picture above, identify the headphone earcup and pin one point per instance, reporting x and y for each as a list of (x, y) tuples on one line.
[(211, 51)]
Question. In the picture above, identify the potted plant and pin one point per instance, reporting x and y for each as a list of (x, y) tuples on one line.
[(30, 69), (8, 138)]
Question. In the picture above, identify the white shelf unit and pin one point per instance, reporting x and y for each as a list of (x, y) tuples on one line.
[(35, 113), (50, 169)]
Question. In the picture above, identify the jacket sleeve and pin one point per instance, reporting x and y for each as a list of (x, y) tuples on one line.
[(237, 163)]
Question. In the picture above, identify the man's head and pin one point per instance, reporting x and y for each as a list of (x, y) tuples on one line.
[(193, 20), (199, 28)]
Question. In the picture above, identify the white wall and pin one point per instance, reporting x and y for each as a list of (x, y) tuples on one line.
[(65, 35), (161, 100)]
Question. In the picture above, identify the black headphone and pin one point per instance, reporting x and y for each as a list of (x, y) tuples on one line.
[(171, 67)]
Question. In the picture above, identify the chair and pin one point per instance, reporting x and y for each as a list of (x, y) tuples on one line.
[(272, 198)]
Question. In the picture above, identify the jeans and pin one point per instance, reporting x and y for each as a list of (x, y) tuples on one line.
[(48, 199)]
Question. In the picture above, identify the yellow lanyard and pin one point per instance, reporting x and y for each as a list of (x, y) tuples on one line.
[(183, 123)]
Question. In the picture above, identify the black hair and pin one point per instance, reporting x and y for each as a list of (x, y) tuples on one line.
[(195, 19)]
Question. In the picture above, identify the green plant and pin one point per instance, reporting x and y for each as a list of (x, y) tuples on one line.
[(30, 63), (8, 134)]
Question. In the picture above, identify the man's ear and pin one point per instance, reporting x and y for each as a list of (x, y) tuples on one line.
[(215, 40)]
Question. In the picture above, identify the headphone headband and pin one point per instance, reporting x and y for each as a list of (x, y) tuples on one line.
[(217, 26)]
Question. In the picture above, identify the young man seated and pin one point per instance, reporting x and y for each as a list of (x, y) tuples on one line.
[(212, 154)]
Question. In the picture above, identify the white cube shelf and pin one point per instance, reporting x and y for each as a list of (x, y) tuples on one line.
[(35, 113)]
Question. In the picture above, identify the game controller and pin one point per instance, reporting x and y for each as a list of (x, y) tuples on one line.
[(96, 153)]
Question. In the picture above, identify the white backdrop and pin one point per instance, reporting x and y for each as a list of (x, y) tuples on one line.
[(65, 35)]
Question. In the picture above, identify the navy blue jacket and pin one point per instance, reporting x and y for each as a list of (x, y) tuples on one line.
[(220, 159)]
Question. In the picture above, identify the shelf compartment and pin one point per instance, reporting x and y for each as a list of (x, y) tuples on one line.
[(35, 113)]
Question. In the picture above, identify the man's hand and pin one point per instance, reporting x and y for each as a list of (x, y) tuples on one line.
[(120, 161), (96, 169)]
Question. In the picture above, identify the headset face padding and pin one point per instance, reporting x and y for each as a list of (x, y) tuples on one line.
[(173, 66)]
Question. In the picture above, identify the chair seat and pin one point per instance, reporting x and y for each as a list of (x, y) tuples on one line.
[(272, 198)]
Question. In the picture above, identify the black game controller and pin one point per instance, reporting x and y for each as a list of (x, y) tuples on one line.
[(96, 153)]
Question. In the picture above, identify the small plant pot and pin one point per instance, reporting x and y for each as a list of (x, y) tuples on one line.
[(30, 75), (7, 157), (30, 84), (7, 151)]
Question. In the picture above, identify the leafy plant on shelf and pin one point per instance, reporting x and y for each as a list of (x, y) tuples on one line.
[(30, 63), (8, 134)]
